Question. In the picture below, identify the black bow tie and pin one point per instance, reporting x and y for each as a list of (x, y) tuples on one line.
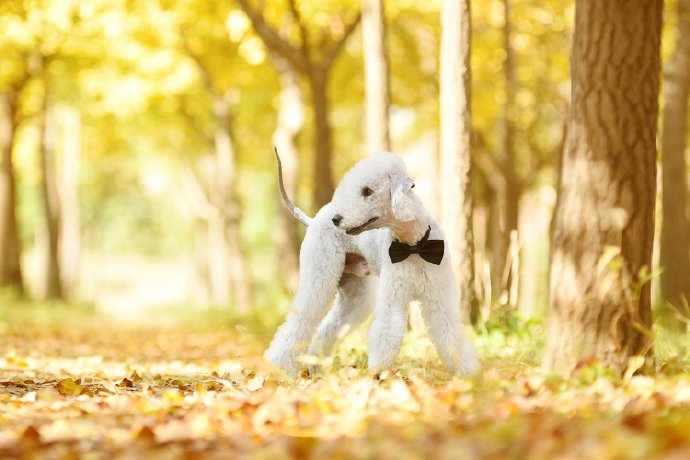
[(429, 250)]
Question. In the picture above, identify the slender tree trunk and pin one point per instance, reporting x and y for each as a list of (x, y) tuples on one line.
[(51, 204), (202, 276), (289, 126), (674, 243), (70, 230), (229, 211), (496, 242), (316, 71), (10, 243), (376, 75), (512, 183), (604, 229), (218, 259), (323, 191), (456, 128)]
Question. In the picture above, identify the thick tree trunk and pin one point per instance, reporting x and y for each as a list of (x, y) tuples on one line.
[(228, 210), (674, 243), (289, 126), (376, 75), (455, 87), (10, 243), (51, 204), (70, 230), (323, 187), (604, 229)]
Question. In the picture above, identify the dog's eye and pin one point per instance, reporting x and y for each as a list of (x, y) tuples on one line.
[(366, 191)]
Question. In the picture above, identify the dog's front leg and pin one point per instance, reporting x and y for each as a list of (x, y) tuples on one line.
[(388, 326)]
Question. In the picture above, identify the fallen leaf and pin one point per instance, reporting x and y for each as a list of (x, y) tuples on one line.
[(256, 383), (69, 387)]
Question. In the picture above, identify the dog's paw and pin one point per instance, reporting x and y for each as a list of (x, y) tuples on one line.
[(284, 361), (313, 370)]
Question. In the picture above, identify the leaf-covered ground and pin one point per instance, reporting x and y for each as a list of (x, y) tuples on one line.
[(96, 389)]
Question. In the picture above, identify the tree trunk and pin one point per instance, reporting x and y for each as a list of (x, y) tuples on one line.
[(10, 243), (376, 75), (289, 126), (51, 204), (512, 189), (218, 260), (674, 243), (228, 209), (455, 94), (70, 229), (316, 71), (604, 230), (512, 184), (323, 187), (496, 242)]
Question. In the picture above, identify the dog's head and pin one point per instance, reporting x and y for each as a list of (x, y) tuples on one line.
[(373, 194)]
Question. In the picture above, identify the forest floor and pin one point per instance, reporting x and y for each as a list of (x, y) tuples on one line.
[(78, 385)]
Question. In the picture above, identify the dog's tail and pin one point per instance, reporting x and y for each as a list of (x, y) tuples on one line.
[(297, 212)]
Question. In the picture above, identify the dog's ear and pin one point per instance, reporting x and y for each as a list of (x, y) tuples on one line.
[(402, 201)]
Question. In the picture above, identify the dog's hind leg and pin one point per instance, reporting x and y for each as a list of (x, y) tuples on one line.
[(442, 319), (353, 306), (322, 258)]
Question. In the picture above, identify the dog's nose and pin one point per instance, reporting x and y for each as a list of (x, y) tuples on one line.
[(337, 219)]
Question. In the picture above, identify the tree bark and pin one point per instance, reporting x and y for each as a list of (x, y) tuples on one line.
[(289, 126), (604, 229), (10, 244), (376, 75), (674, 242), (51, 204), (455, 94)]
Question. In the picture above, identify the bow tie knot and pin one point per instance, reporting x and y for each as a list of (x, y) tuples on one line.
[(429, 250)]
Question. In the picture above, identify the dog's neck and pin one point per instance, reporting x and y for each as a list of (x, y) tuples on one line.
[(412, 231)]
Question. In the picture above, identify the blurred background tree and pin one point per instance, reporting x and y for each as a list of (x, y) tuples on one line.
[(675, 279), (137, 166)]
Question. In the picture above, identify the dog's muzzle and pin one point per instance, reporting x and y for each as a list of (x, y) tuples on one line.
[(361, 228)]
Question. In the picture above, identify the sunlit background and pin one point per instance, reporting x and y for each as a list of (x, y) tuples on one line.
[(113, 110)]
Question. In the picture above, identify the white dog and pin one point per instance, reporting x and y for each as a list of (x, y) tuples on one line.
[(374, 222)]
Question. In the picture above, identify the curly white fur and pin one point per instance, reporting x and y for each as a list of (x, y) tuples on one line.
[(370, 221)]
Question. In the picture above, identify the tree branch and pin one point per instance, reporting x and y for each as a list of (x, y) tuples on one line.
[(334, 50), (192, 122), (484, 159), (273, 40), (206, 77), (552, 156), (304, 36)]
